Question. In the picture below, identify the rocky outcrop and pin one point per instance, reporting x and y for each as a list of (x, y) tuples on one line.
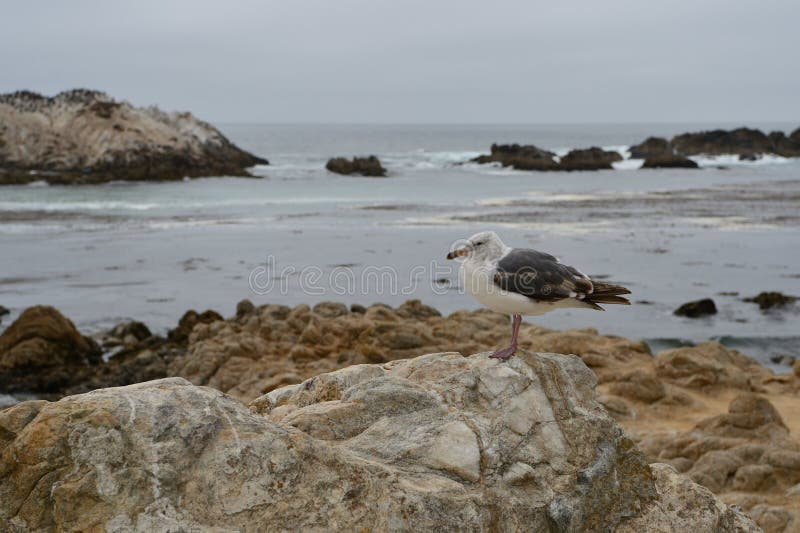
[(708, 364), (697, 308), (438, 442), (362, 166), (743, 454), (589, 159), (769, 299), (529, 157), (719, 142), (520, 157), (749, 144), (3, 312), (668, 160), (652, 146), (84, 136), (785, 146), (43, 352)]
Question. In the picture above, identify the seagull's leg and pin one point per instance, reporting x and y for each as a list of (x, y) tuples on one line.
[(506, 353)]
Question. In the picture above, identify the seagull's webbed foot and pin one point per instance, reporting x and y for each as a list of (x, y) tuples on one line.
[(505, 354)]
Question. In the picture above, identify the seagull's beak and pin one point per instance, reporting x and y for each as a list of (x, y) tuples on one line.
[(459, 252)]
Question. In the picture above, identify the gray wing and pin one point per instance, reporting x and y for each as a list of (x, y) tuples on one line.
[(540, 276)]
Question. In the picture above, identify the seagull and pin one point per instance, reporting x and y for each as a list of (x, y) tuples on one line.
[(521, 281)]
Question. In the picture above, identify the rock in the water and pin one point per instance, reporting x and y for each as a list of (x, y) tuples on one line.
[(652, 146), (589, 159), (697, 308), (363, 166), (785, 146), (3, 312), (668, 160), (520, 157), (42, 352), (718, 142), (84, 136), (439, 442), (768, 300)]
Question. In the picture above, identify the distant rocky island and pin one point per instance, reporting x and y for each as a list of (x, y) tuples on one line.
[(84, 136), (657, 152)]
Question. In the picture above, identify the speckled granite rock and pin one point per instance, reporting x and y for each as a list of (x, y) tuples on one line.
[(440, 442)]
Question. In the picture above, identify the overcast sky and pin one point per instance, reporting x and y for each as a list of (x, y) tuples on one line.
[(433, 61)]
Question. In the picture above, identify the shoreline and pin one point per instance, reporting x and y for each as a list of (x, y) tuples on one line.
[(677, 404)]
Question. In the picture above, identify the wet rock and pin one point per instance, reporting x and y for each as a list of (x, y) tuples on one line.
[(589, 159), (783, 145), (652, 146), (3, 311), (668, 160), (244, 308), (436, 442), (697, 308), (363, 166), (749, 157), (768, 300), (125, 333), (718, 142), (188, 321), (43, 352), (520, 157), (83, 136)]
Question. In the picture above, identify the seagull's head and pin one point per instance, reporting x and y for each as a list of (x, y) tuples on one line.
[(481, 246)]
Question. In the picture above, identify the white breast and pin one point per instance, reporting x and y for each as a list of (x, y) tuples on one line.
[(476, 278)]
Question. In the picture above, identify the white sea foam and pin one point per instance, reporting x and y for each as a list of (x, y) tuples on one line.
[(733, 160), (628, 164), (66, 206)]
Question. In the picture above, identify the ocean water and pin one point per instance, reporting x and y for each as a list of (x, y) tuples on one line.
[(150, 251)]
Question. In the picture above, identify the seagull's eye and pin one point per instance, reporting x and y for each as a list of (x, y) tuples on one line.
[(479, 243)]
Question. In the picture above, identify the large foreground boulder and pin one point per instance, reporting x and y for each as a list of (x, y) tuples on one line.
[(362, 166), (439, 442), (43, 352), (84, 136)]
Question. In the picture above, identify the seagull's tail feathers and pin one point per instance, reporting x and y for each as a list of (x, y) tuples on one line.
[(606, 293)]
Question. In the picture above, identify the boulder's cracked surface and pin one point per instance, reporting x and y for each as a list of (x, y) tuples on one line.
[(438, 442)]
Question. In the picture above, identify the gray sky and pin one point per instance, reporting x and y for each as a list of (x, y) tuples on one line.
[(440, 61)]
